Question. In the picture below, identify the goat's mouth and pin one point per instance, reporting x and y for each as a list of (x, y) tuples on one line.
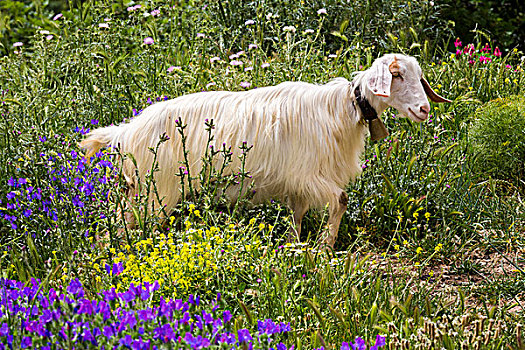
[(417, 119)]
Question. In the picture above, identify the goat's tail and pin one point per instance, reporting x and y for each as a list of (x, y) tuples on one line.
[(98, 139)]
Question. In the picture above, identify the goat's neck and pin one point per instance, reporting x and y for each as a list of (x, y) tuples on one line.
[(376, 103)]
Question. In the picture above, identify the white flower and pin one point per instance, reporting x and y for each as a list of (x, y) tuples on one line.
[(18, 44), (252, 46), (309, 31), (44, 32), (265, 65), (332, 55), (321, 11), (210, 84), (289, 29), (234, 56), (236, 63), (248, 69), (201, 35), (103, 25), (215, 59), (249, 22)]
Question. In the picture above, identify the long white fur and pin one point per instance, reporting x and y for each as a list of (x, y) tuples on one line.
[(307, 139)]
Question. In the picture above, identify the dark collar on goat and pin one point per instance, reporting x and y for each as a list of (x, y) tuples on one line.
[(376, 127)]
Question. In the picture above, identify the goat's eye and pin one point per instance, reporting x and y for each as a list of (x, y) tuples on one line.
[(396, 75)]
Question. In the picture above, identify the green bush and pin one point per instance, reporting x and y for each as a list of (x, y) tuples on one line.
[(498, 139)]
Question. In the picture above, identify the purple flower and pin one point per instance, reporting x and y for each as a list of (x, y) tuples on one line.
[(4, 330), (226, 316), (380, 341), (149, 41), (75, 288), (245, 84), (57, 16), (26, 342), (243, 335), (359, 344)]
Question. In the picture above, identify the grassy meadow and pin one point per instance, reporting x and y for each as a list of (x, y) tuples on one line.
[(430, 253)]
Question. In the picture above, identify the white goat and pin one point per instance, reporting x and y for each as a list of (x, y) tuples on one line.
[(307, 139)]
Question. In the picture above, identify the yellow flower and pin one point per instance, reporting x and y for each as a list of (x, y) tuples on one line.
[(197, 213), (396, 247), (419, 250), (427, 215), (438, 247), (261, 226), (415, 215), (405, 242)]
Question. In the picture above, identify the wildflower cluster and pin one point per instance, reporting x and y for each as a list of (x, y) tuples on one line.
[(72, 188), (179, 261), (31, 318)]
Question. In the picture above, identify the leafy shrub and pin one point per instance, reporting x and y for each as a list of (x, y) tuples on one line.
[(498, 139)]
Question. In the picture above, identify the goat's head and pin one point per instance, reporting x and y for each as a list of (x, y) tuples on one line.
[(397, 81)]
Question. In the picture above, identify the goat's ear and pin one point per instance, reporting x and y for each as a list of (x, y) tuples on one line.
[(432, 95), (380, 80)]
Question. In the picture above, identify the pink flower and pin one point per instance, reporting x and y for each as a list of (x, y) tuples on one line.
[(497, 52), (486, 49), (252, 46), (484, 59), (321, 11), (149, 41), (265, 65), (155, 12), (236, 63), (248, 69), (457, 43), (245, 84), (508, 66), (214, 59), (469, 49), (249, 22), (171, 69), (18, 44), (201, 35), (49, 37), (57, 16), (458, 52)]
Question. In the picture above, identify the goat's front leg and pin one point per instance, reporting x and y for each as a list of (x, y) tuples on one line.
[(299, 209), (338, 204)]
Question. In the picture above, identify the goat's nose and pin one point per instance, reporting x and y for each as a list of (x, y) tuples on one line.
[(425, 109)]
